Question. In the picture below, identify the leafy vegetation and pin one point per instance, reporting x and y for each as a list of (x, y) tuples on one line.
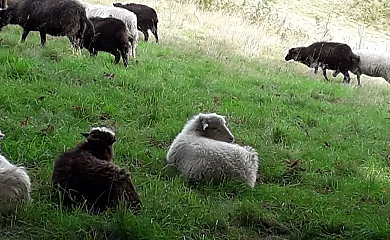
[(324, 147)]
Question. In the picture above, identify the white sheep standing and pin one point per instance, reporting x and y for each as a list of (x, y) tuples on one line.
[(372, 63), (129, 18), (15, 184), (204, 150)]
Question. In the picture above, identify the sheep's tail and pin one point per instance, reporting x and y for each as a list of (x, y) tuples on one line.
[(355, 59)]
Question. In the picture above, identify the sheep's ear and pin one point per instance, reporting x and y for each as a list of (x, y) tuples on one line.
[(85, 134)]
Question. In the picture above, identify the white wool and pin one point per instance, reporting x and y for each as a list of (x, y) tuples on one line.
[(103, 129), (374, 63), (15, 183), (129, 18), (201, 158)]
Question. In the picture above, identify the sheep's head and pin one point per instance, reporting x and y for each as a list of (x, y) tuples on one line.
[(117, 4), (293, 53), (101, 136), (213, 126)]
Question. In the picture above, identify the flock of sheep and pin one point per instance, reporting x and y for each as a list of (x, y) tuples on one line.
[(112, 29), (204, 150), (340, 58)]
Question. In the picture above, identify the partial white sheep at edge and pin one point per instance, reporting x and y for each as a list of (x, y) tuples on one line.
[(372, 63), (129, 18), (15, 184), (204, 150)]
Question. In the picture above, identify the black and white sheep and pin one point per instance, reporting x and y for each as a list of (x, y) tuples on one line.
[(129, 18), (15, 184), (372, 63), (87, 173), (327, 55), (146, 18), (110, 36), (204, 151), (53, 17)]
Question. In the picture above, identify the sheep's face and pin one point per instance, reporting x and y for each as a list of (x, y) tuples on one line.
[(214, 127), (293, 53), (101, 136)]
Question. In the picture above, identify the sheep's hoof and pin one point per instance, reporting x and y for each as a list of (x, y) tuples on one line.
[(136, 61)]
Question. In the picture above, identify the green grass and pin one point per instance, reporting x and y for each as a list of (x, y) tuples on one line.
[(338, 188)]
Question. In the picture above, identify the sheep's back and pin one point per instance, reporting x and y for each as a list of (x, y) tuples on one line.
[(129, 18), (51, 15)]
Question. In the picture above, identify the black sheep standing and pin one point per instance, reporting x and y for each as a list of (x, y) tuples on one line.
[(53, 17), (111, 37), (146, 18)]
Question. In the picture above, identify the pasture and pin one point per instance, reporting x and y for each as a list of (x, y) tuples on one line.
[(324, 147)]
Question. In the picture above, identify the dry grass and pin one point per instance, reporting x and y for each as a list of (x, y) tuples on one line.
[(219, 33), (238, 27)]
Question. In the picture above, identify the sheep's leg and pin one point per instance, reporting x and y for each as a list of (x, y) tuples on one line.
[(358, 79), (154, 31), (146, 34), (24, 35), (117, 56), (324, 73), (336, 72), (125, 54), (93, 53), (347, 78), (43, 38), (134, 51)]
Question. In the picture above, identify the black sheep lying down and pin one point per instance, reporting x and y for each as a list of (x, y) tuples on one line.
[(53, 17), (86, 174), (108, 35)]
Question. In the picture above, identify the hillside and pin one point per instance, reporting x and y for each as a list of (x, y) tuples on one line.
[(324, 147)]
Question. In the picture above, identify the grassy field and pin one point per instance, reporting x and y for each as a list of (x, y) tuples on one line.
[(324, 147)]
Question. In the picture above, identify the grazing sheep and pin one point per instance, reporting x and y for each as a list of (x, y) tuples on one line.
[(15, 184), (328, 55), (110, 36), (87, 172), (204, 150), (48, 17), (129, 18), (146, 18)]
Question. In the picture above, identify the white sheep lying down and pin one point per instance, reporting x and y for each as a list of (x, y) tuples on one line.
[(15, 183), (204, 150), (129, 18)]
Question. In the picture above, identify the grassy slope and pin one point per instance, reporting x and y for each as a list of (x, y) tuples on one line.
[(339, 190)]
